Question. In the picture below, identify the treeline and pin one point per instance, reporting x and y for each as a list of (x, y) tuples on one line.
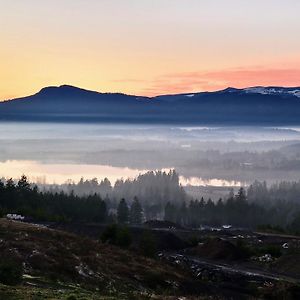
[(259, 205), (281, 200), (236, 210), (25, 199), (285, 191), (152, 188), (277, 206)]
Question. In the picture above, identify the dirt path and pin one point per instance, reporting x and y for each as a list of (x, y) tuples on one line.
[(200, 266)]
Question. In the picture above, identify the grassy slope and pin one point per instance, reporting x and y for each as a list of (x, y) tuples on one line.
[(57, 264)]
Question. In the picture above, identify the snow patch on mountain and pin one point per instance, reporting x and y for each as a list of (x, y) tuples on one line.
[(273, 91)]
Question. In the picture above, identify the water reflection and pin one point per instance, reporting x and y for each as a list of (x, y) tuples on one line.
[(61, 173)]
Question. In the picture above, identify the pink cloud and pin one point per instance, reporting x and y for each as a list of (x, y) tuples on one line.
[(216, 80)]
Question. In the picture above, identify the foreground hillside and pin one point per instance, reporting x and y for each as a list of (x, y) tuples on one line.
[(41, 263), (57, 264)]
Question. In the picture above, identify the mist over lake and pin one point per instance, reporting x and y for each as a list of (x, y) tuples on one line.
[(203, 156)]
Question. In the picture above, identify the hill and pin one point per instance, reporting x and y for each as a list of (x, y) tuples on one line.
[(57, 264), (258, 105), (41, 263)]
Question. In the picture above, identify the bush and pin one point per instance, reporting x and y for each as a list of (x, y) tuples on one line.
[(110, 234), (115, 235), (148, 244), (271, 229), (194, 241), (71, 297), (154, 279), (123, 237), (244, 248), (11, 271), (273, 250)]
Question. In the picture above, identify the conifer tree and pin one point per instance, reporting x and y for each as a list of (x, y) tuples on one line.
[(123, 212), (136, 212)]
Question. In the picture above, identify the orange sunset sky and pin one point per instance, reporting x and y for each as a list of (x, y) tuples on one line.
[(148, 47)]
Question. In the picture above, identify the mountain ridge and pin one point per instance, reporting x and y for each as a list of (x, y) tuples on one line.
[(252, 89), (67, 103)]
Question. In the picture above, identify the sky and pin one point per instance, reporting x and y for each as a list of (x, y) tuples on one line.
[(148, 47)]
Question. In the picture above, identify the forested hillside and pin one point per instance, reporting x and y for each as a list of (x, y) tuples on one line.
[(153, 196)]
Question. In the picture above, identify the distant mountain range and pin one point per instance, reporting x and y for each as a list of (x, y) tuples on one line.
[(249, 106)]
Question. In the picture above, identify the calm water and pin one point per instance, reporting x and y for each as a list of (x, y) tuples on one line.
[(60, 152)]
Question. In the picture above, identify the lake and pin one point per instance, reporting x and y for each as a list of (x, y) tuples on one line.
[(203, 156)]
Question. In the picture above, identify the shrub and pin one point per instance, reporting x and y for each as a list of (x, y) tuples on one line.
[(148, 244), (123, 237), (110, 234), (273, 250), (194, 241), (244, 248), (11, 271), (116, 235), (271, 229), (154, 279), (71, 297)]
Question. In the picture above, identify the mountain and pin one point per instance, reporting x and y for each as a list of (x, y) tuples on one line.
[(249, 106)]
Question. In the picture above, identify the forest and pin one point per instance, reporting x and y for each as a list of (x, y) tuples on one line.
[(153, 196)]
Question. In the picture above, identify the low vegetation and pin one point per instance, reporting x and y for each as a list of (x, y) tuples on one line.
[(11, 270), (56, 259)]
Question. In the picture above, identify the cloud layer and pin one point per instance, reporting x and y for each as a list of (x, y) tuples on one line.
[(216, 80)]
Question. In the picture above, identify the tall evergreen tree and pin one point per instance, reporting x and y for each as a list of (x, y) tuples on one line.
[(170, 212), (23, 183), (136, 212), (123, 212), (241, 195), (182, 216)]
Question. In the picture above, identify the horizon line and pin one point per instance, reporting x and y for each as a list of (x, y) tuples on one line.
[(150, 97)]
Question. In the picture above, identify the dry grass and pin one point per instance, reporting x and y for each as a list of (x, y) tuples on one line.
[(64, 257)]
